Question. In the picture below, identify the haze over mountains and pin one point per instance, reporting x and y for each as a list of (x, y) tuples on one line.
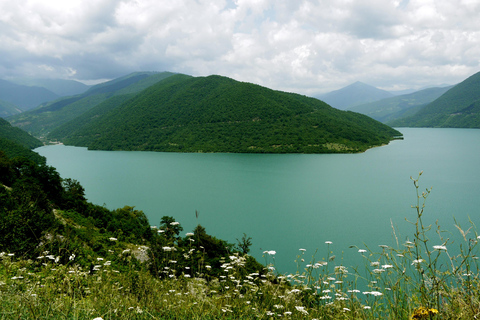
[(396, 107), (21, 95), (352, 95), (164, 111)]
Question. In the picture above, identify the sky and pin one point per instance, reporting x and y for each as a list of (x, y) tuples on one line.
[(303, 46)]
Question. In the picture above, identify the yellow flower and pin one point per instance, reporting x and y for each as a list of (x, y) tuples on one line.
[(423, 313)]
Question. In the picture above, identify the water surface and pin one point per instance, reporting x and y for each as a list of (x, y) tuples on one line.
[(287, 202)]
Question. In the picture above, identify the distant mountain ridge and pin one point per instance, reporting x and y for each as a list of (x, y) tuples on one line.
[(459, 107), (40, 121), (60, 87), (399, 106), (24, 97), (218, 114), (352, 95)]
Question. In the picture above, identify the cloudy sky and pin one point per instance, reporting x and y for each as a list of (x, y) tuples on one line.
[(302, 46)]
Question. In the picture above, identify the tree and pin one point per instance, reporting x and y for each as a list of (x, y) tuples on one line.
[(171, 228)]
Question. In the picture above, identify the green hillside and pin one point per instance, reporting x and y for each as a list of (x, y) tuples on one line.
[(399, 106), (47, 117), (456, 108), (218, 114), (15, 142), (8, 109)]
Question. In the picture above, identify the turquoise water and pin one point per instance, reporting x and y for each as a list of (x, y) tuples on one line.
[(287, 202)]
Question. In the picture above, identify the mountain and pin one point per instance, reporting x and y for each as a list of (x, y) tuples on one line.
[(15, 142), (24, 97), (48, 116), (8, 109), (218, 114), (60, 87), (399, 106), (353, 95), (459, 107)]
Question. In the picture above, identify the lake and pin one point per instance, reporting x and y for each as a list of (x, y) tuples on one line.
[(287, 202)]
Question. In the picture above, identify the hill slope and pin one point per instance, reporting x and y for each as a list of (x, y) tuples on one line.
[(8, 109), (218, 114), (24, 97), (353, 95), (15, 142), (456, 108), (396, 107), (47, 117)]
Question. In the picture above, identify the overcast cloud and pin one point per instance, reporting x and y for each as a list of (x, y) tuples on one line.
[(301, 46)]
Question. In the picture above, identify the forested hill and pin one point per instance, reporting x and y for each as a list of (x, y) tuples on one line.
[(53, 114), (459, 107), (15, 142), (218, 114)]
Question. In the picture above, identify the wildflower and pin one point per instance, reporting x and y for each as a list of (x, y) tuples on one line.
[(383, 246), (367, 307), (189, 234), (71, 257), (346, 309), (174, 223), (408, 244), (374, 264), (417, 261), (125, 251), (387, 266), (112, 239), (98, 318), (287, 313), (302, 249), (301, 309), (99, 259), (362, 250), (328, 242), (423, 313), (167, 249), (440, 248), (270, 253)]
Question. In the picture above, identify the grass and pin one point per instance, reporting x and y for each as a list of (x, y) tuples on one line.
[(417, 279)]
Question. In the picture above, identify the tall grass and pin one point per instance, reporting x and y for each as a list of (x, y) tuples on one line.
[(420, 278)]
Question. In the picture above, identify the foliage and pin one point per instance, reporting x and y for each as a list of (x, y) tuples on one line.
[(414, 280), (17, 135), (217, 114), (53, 114), (456, 108)]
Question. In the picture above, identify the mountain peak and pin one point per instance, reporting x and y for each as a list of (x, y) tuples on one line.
[(353, 95)]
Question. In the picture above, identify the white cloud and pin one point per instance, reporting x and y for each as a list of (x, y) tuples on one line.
[(304, 46)]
